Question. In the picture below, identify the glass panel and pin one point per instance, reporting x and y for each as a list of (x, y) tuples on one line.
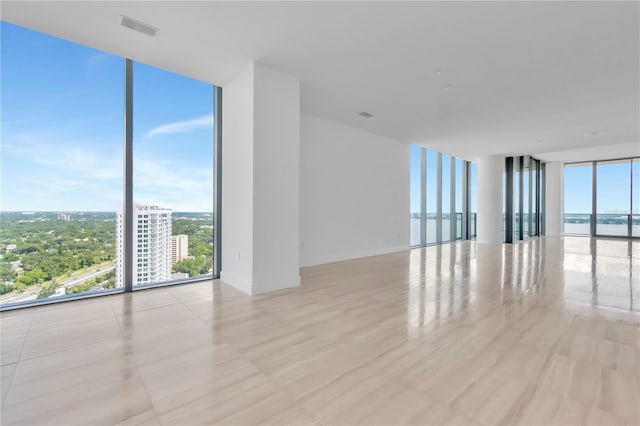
[(613, 197), (534, 197), (635, 221), (173, 177), (474, 199), (458, 195), (416, 191), (432, 195), (543, 190), (516, 198), (577, 198), (446, 197), (61, 166), (526, 212)]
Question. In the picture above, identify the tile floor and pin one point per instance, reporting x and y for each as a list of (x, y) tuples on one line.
[(542, 332)]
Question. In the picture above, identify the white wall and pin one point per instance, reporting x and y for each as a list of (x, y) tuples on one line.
[(237, 181), (276, 173), (260, 181), (554, 199), (490, 170), (354, 193)]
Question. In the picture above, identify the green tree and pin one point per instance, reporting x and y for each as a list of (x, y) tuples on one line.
[(6, 273)]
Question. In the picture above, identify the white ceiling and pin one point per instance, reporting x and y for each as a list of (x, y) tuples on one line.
[(526, 77)]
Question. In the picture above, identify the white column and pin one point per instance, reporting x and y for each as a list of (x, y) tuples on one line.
[(490, 199), (260, 181), (554, 199)]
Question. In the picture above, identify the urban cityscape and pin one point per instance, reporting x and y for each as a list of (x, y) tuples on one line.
[(52, 254)]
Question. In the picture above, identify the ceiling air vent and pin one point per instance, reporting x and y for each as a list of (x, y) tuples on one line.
[(141, 27), (365, 114)]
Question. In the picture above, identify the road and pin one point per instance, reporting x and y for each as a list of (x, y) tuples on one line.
[(33, 294), (86, 277)]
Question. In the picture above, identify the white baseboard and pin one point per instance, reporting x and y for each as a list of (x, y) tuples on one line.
[(273, 284), (261, 285), (236, 281)]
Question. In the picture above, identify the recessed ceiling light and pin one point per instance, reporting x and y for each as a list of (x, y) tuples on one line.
[(141, 27), (365, 114)]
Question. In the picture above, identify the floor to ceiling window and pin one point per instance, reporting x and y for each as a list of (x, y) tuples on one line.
[(445, 224), (473, 194), (577, 198), (517, 199), (63, 230), (431, 194), (635, 197), (459, 171), (416, 196), (441, 188), (172, 176), (61, 171), (524, 198), (602, 198), (613, 197)]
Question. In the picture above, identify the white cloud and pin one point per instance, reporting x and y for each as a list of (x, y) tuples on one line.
[(185, 126), (71, 158), (94, 172), (178, 187)]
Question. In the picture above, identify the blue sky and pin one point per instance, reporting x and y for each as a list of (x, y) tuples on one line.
[(432, 168), (62, 129), (614, 188)]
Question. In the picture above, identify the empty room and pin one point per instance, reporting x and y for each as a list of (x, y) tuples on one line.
[(320, 213)]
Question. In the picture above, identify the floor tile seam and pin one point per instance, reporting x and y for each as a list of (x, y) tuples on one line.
[(80, 382), (27, 336), (10, 383), (128, 352), (294, 328), (283, 388), (203, 321), (146, 309), (131, 353), (54, 327), (18, 359)]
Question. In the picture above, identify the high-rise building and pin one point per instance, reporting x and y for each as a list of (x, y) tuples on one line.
[(152, 245), (179, 248)]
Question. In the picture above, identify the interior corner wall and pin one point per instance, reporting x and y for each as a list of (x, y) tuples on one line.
[(276, 180), (237, 181), (554, 199), (354, 192)]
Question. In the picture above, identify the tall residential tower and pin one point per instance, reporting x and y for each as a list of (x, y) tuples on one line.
[(151, 246)]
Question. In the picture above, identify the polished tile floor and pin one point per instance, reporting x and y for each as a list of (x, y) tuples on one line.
[(542, 332)]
